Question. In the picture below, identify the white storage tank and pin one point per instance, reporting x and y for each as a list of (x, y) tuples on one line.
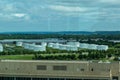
[(84, 45), (92, 46), (102, 47), (19, 43), (1, 48), (77, 44)]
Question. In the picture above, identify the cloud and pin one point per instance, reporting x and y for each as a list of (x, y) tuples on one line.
[(6, 6), (110, 1), (19, 15), (14, 16), (67, 8), (44, 9), (13, 11), (76, 11)]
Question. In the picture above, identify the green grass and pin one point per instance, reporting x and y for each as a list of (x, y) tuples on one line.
[(16, 57), (26, 57)]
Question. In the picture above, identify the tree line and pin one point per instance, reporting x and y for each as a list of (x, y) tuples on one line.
[(60, 36)]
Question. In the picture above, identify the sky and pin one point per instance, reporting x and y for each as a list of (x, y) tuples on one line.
[(59, 15)]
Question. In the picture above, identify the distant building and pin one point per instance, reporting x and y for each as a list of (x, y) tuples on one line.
[(39, 48), (84, 45), (63, 46), (93, 46), (34, 47), (19, 43), (72, 48), (1, 48), (43, 44), (58, 70), (50, 44), (76, 44), (56, 45), (102, 47)]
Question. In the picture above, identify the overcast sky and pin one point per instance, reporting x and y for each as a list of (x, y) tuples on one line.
[(59, 15)]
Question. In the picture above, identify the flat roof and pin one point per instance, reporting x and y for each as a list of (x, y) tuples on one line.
[(59, 61), (45, 61)]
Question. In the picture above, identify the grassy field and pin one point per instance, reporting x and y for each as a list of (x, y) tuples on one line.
[(27, 56), (16, 57)]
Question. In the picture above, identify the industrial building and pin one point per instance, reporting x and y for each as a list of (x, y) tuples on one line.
[(58, 70), (35, 47), (63, 46), (93, 46), (1, 48), (102, 47), (77, 44), (43, 44), (19, 44), (39, 48), (69, 46), (50, 44), (73, 46), (56, 45), (84, 45), (48, 40)]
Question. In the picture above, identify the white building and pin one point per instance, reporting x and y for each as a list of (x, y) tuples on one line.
[(92, 46), (63, 47), (19, 43), (72, 48), (50, 44), (56, 45), (77, 44), (26, 45), (102, 47), (43, 44), (31, 46), (39, 48), (84, 45), (34, 47), (1, 48)]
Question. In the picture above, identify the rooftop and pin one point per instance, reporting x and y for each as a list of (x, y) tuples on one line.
[(45, 61)]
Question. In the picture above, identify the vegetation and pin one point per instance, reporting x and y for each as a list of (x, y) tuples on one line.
[(61, 36), (53, 54), (16, 57), (79, 55), (69, 57)]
